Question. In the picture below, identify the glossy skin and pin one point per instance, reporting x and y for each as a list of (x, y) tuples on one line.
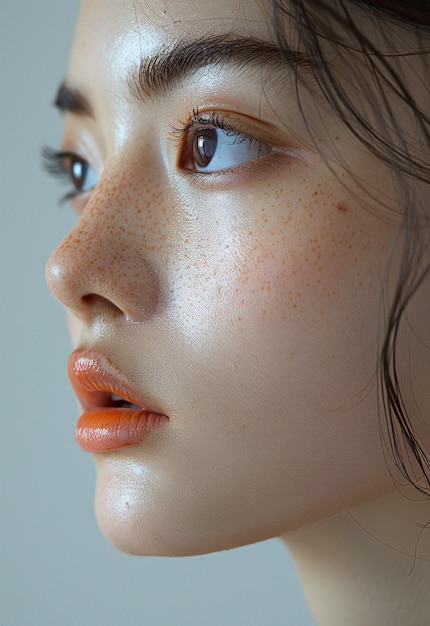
[(244, 304)]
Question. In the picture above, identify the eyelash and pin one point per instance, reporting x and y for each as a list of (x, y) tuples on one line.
[(208, 119)]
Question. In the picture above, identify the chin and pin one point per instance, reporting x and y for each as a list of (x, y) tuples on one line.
[(136, 522), (142, 533)]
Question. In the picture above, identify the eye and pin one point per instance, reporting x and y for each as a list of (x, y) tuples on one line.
[(71, 168), (212, 145), (81, 174)]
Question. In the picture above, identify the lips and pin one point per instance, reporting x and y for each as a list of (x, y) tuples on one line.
[(115, 415)]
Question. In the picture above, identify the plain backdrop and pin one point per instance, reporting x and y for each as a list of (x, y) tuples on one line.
[(56, 569)]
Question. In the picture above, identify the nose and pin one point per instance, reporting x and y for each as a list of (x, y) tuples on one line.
[(103, 266)]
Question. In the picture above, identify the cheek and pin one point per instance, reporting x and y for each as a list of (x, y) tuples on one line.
[(301, 308), (320, 261), (295, 272)]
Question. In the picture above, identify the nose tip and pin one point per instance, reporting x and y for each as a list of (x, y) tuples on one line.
[(67, 278), (98, 270)]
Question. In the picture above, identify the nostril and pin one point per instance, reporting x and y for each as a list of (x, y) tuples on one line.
[(95, 301)]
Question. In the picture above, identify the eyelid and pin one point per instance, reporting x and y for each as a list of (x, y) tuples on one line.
[(275, 135), (228, 121), (241, 128)]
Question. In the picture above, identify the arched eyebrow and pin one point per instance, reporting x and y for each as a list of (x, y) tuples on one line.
[(159, 74)]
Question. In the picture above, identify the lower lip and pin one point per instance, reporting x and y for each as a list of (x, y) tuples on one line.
[(103, 430)]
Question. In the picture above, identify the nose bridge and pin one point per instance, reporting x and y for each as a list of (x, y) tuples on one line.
[(104, 262)]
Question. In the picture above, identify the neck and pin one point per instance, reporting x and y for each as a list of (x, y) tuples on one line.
[(368, 565)]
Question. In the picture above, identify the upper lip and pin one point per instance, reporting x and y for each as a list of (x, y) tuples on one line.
[(100, 384)]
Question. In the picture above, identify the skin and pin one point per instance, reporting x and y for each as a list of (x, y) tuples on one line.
[(245, 305)]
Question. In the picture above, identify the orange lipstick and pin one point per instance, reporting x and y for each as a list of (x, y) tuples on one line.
[(115, 415)]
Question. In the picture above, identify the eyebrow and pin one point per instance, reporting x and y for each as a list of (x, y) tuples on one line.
[(168, 68), (72, 99)]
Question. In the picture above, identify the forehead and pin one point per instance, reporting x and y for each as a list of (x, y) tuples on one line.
[(175, 12), (130, 29), (113, 38)]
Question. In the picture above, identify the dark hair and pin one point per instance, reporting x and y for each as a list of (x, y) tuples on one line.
[(327, 26), (417, 11)]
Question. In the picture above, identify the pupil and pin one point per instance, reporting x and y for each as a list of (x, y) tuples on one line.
[(205, 142)]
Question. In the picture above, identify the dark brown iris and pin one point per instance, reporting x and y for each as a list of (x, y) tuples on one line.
[(204, 146)]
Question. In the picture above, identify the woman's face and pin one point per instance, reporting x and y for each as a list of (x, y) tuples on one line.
[(222, 272)]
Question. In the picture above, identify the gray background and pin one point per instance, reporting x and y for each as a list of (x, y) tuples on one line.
[(56, 569)]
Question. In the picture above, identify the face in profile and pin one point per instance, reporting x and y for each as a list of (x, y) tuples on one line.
[(222, 280)]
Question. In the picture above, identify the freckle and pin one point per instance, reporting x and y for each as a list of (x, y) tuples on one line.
[(341, 206)]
